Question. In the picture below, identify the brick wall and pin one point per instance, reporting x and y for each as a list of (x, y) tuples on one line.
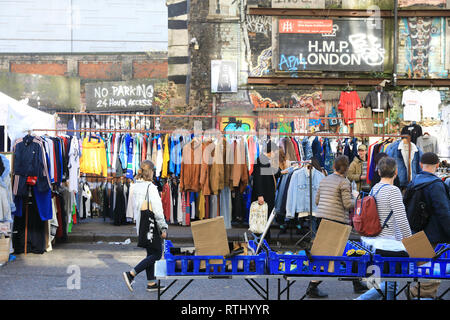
[(100, 70), (53, 69), (150, 69), (123, 66)]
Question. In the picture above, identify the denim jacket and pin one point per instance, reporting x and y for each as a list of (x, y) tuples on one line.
[(394, 152), (307, 150), (298, 197)]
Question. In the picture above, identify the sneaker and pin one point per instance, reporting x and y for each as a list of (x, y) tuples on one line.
[(154, 287), (314, 292), (359, 287), (129, 280)]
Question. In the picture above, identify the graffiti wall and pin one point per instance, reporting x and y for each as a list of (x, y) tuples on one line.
[(230, 124), (422, 48)]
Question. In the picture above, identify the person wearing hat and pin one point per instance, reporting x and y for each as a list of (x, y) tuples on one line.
[(437, 200), (358, 168)]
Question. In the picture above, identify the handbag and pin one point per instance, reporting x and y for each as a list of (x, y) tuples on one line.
[(258, 217), (149, 233)]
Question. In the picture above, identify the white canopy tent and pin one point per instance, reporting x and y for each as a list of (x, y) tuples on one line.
[(19, 118)]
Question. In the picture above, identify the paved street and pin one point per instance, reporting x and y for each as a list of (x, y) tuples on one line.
[(100, 266)]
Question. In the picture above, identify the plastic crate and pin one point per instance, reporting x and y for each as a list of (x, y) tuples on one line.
[(320, 266), (237, 265), (414, 267)]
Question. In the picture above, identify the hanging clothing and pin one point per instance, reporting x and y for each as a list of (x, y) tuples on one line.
[(299, 194), (349, 102), (93, 158), (29, 161)]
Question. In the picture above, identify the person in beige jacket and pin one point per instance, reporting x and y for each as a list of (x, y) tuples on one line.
[(358, 168), (334, 200), (334, 197)]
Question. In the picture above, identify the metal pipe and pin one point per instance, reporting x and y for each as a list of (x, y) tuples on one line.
[(394, 75)]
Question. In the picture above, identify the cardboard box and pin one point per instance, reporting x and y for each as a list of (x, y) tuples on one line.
[(210, 238), (4, 249), (330, 240), (418, 246)]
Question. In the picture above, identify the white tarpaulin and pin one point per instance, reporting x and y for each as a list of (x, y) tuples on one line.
[(20, 117)]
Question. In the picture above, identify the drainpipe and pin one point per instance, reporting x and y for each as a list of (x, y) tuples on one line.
[(394, 80)]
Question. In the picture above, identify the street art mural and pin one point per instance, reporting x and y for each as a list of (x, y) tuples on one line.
[(430, 3), (264, 62), (424, 47), (230, 124)]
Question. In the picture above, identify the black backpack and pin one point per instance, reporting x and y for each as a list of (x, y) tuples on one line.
[(417, 209)]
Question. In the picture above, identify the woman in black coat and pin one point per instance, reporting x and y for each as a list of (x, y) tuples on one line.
[(265, 177)]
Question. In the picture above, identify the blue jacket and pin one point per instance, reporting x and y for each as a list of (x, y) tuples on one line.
[(28, 162), (298, 198), (317, 151), (437, 198), (392, 151), (281, 190)]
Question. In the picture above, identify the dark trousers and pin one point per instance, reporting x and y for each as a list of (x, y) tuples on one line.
[(148, 264)]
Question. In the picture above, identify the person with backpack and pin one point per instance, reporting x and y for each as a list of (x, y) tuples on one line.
[(427, 204), (395, 226), (334, 200)]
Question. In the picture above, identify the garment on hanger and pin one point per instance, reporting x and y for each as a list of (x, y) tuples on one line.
[(379, 100), (298, 191), (428, 143), (93, 157), (414, 130), (411, 101), (349, 102), (431, 99)]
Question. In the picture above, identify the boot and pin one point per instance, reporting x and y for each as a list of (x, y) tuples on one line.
[(314, 292), (359, 286)]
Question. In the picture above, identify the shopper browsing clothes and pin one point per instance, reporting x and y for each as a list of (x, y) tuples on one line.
[(376, 177), (145, 201), (358, 170), (438, 206), (334, 200), (265, 175), (391, 211)]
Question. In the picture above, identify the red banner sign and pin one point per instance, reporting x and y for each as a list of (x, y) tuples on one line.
[(305, 26)]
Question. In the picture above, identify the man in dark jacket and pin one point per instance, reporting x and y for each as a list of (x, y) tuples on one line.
[(438, 202), (437, 199)]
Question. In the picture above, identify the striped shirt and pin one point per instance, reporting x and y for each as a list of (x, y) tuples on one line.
[(390, 198)]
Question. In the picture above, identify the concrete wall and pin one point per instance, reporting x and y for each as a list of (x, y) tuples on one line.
[(90, 67)]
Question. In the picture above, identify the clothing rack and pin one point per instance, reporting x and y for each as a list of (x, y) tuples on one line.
[(310, 216), (243, 133), (205, 116)]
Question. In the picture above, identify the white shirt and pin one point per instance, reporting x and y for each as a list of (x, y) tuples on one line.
[(404, 149), (431, 99), (74, 164), (445, 117), (411, 100)]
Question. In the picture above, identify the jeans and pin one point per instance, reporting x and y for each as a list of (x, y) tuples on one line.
[(148, 264), (373, 294)]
